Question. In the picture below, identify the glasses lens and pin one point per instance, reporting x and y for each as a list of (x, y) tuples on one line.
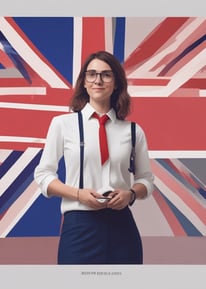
[(90, 75), (106, 76)]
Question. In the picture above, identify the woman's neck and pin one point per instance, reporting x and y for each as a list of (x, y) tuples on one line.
[(101, 108)]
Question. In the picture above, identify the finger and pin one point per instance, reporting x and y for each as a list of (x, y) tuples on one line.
[(113, 194), (95, 195), (115, 204)]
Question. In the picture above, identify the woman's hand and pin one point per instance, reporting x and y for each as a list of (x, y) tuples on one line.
[(120, 199), (89, 198)]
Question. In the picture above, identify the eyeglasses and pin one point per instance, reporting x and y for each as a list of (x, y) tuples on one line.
[(105, 75)]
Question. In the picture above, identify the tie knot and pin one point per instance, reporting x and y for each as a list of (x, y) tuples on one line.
[(102, 119)]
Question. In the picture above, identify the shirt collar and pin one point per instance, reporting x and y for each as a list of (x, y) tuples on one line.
[(88, 110)]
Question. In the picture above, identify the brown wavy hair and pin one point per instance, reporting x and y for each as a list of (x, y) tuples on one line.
[(120, 98)]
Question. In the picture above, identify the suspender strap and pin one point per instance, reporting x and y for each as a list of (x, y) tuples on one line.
[(81, 136), (132, 155), (133, 130)]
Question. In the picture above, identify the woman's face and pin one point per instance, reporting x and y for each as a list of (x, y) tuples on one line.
[(99, 86)]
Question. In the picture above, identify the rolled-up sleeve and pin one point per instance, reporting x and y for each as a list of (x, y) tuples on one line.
[(143, 172), (46, 171)]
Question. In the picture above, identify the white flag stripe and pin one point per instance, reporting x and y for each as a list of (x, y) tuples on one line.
[(146, 69), (180, 205), (30, 56), (156, 224), (21, 139), (162, 154), (77, 52), (17, 210), (40, 107), (203, 92), (108, 23), (178, 79), (17, 168), (4, 155), (152, 154), (22, 91)]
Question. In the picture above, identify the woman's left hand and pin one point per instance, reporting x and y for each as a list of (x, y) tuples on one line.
[(120, 199)]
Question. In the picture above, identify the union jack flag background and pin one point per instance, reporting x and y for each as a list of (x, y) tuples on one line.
[(165, 63)]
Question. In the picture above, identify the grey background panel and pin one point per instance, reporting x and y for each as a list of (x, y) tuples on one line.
[(197, 169)]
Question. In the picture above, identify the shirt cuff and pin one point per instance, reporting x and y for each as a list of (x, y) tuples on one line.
[(148, 185), (44, 186)]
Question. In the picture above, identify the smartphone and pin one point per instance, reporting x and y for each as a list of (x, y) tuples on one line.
[(103, 199), (106, 194)]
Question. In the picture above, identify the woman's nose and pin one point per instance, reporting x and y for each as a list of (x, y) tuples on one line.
[(98, 78)]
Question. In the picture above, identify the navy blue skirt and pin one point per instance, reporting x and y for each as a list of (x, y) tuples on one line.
[(100, 237)]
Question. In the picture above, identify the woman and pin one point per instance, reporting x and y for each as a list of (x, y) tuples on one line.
[(95, 231)]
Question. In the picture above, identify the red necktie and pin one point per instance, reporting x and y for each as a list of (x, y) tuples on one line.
[(102, 137)]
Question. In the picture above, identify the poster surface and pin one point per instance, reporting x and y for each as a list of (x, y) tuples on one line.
[(164, 60)]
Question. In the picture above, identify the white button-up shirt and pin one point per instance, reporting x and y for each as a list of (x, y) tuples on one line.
[(63, 140)]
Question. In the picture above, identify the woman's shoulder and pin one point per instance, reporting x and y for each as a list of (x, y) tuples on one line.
[(64, 120), (127, 123), (65, 116)]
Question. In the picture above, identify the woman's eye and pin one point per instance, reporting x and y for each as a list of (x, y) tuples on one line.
[(91, 73)]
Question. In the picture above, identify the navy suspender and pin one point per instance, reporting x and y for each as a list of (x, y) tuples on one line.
[(133, 154), (81, 136)]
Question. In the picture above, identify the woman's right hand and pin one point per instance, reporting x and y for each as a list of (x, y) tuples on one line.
[(89, 197)]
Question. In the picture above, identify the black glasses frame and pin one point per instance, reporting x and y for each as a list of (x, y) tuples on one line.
[(101, 74)]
